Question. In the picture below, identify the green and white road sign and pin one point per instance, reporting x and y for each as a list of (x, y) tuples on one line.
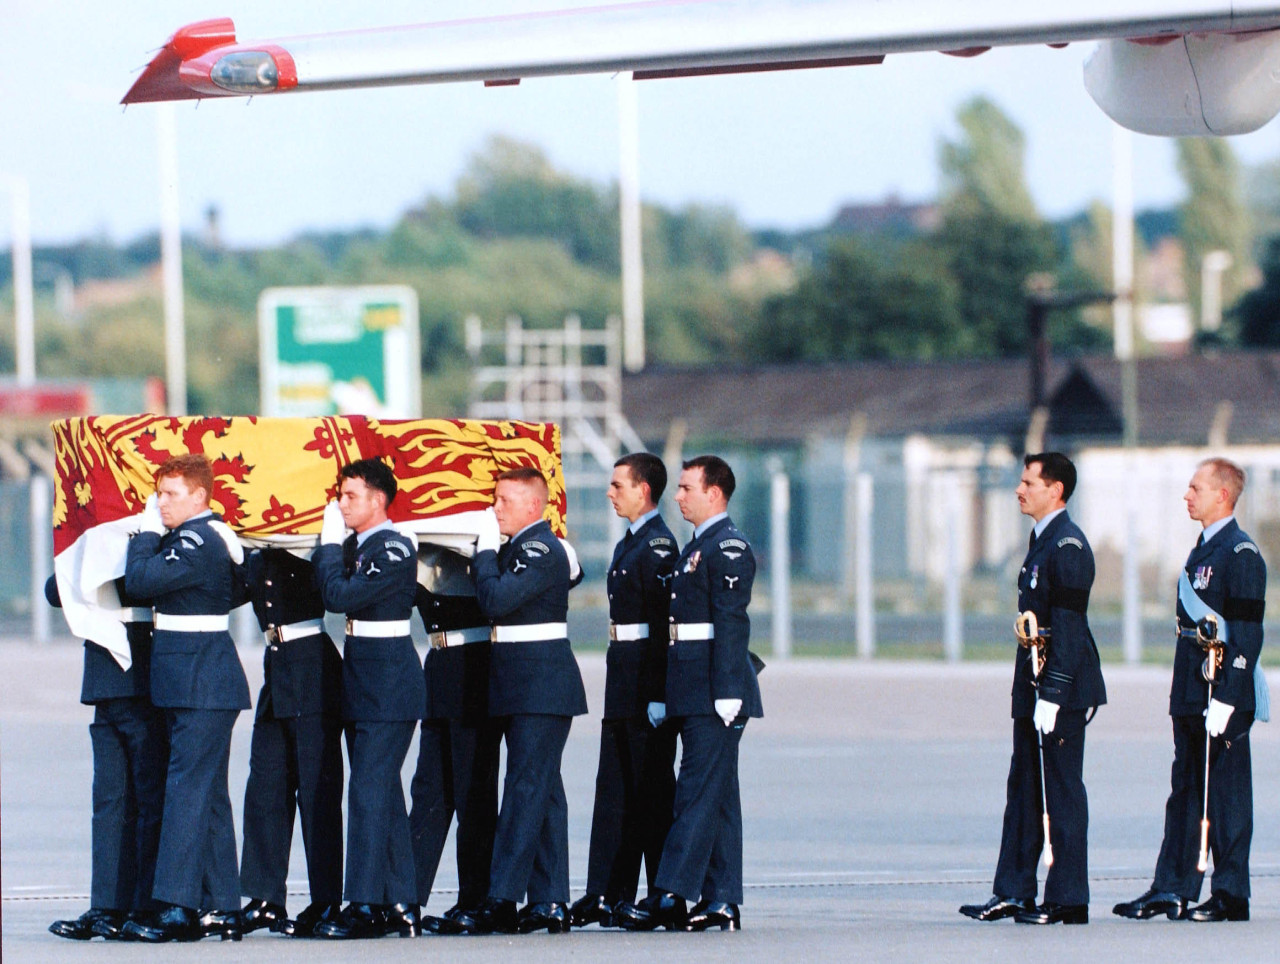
[(340, 351)]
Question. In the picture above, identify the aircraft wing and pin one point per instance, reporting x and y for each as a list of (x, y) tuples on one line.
[(675, 38)]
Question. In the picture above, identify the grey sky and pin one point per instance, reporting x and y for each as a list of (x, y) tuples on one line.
[(783, 149)]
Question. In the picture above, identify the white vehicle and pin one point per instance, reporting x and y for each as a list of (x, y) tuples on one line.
[(1165, 67)]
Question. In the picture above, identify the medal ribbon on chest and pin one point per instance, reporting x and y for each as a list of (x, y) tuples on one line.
[(1201, 580), (1035, 576)]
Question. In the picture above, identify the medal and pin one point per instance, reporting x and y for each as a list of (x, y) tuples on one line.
[(1035, 576), (1201, 580), (692, 562)]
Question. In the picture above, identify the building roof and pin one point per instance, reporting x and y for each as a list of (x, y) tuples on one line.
[(1178, 399)]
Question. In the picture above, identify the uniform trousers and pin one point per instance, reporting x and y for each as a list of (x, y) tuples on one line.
[(130, 756), (1230, 809), (379, 845), (457, 772), (635, 792), (295, 764), (531, 847), (703, 853), (196, 863), (1022, 838)]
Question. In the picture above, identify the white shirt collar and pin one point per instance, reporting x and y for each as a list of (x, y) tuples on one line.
[(1044, 523), (362, 536), (640, 522), (1214, 528), (708, 523)]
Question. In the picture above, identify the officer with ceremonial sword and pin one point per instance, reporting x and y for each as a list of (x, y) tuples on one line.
[(1057, 685), (1218, 691)]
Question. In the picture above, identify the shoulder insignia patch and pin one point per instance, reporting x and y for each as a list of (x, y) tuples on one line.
[(662, 553), (1070, 541), (1240, 547), (534, 548), (661, 541), (192, 535), (1240, 662), (733, 544), (185, 544), (397, 552)]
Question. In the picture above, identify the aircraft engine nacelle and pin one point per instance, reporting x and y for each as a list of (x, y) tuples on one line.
[(1198, 84)]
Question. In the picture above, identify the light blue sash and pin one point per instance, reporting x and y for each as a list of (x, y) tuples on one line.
[(1197, 609)]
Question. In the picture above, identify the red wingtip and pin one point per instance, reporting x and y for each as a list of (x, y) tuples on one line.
[(160, 80)]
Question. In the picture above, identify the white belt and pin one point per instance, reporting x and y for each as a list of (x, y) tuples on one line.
[(687, 631), (628, 632), (378, 628), (135, 615), (531, 633), (457, 637), (291, 631), (191, 624)]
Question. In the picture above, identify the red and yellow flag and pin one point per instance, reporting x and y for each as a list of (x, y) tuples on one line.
[(273, 476)]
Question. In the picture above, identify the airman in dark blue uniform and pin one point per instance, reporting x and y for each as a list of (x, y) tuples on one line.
[(130, 753), (295, 758), (535, 690), (458, 748), (372, 577), (711, 692), (190, 577), (1053, 584), (1225, 576), (635, 780)]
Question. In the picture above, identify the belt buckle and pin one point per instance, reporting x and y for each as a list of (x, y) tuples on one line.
[(350, 626), (438, 640), (273, 634), (613, 633), (675, 632)]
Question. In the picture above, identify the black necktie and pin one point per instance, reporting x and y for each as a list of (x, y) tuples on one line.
[(1199, 540), (1031, 540)]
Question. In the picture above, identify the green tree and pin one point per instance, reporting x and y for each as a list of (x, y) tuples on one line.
[(1257, 314), (984, 171), (1213, 215)]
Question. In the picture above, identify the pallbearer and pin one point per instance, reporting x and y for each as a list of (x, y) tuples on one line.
[(295, 759), (1050, 711), (372, 576), (635, 781), (1224, 581)]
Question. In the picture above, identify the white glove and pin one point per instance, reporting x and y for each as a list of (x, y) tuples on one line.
[(404, 528), (150, 520), (1045, 716), (334, 530), (1216, 716), (657, 713), (234, 549), (575, 568), (727, 710), (488, 537)]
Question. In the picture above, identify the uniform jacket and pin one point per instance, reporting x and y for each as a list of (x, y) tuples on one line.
[(300, 676), (457, 677), (712, 584), (526, 582), (1235, 584), (188, 572), (639, 586), (103, 678), (381, 677), (1054, 583)]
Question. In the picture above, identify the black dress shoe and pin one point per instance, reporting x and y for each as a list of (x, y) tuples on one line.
[(444, 926), (1049, 913), (551, 916), (354, 922), (262, 913), (1150, 904), (714, 913), (998, 908), (591, 909), (82, 928), (304, 925), (401, 919), (657, 910), (171, 924), (494, 916), (1220, 906), (112, 928), (223, 924)]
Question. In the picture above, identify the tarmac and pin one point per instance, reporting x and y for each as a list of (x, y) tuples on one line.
[(872, 796)]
